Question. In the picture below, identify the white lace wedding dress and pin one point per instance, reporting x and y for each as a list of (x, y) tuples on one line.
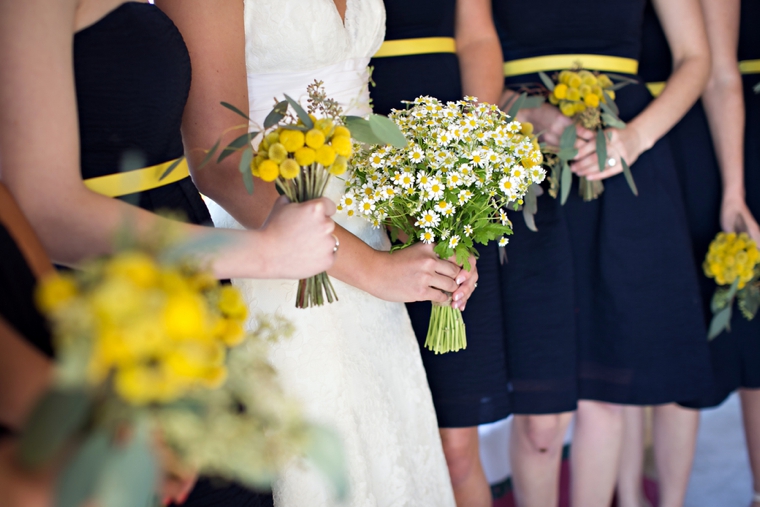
[(355, 364)]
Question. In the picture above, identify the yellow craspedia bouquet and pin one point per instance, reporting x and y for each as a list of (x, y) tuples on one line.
[(733, 260), (464, 164), (589, 99), (151, 348)]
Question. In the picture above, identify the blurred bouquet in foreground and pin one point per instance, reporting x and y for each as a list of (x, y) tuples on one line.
[(589, 99), (464, 163), (733, 260), (151, 354)]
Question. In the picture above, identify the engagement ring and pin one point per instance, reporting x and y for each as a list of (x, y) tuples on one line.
[(611, 162), (337, 243)]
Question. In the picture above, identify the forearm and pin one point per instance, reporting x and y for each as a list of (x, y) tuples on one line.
[(481, 67), (355, 261)]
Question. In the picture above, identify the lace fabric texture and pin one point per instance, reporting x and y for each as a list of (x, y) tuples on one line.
[(355, 364)]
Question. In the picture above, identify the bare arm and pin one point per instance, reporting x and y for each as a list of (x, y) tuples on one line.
[(723, 100), (479, 50)]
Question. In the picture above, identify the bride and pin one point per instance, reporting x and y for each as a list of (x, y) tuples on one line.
[(354, 364)]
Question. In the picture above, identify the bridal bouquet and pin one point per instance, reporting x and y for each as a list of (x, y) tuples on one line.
[(589, 99), (733, 260), (151, 354), (464, 164)]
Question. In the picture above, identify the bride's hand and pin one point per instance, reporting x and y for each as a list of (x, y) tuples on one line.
[(415, 274), (298, 238), (467, 281)]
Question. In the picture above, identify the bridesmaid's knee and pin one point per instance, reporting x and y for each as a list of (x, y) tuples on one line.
[(600, 411), (460, 445), (543, 433)]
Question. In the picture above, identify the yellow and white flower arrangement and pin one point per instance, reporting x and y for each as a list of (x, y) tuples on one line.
[(464, 164), (733, 260)]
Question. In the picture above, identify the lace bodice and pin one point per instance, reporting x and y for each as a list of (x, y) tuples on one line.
[(303, 35)]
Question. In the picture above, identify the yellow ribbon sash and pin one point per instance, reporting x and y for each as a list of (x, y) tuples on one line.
[(656, 88), (749, 67), (559, 62), (139, 180), (421, 46)]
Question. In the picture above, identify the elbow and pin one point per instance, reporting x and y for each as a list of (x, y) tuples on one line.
[(699, 64)]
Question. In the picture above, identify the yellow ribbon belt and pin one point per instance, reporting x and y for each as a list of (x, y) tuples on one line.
[(749, 67), (421, 46), (656, 88), (559, 62), (139, 180)]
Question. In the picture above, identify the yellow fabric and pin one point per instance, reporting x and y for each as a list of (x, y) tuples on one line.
[(749, 67), (656, 88), (560, 62), (421, 46), (139, 180)]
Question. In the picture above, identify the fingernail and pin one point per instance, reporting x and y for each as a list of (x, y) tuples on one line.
[(459, 280), (457, 297), (455, 305)]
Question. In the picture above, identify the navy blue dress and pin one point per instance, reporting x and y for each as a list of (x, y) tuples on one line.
[(639, 327), (469, 387), (132, 73)]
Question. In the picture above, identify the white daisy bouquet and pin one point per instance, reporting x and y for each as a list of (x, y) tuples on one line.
[(464, 164)]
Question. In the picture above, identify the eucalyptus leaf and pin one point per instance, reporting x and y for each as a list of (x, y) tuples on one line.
[(567, 154), (129, 474), (749, 300), (629, 177), (566, 182), (210, 154), (517, 105), (721, 321), (325, 451), (235, 110), (172, 167), (361, 131), (236, 145), (277, 113), (623, 79), (601, 149), (531, 206), (547, 81), (302, 114), (245, 169), (533, 102), (610, 102), (720, 299), (387, 131), (57, 416), (567, 140), (733, 289), (613, 121), (756, 88), (77, 482), (610, 108)]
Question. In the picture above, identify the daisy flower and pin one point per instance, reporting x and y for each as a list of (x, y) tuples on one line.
[(367, 206), (454, 241), (416, 155), (435, 189), (467, 230), (503, 241), (427, 236), (428, 219)]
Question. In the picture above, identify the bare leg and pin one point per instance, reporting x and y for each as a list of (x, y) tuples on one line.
[(535, 454), (751, 415), (460, 445), (631, 474), (595, 453), (675, 439)]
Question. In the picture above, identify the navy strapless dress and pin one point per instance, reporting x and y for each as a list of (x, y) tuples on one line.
[(132, 73), (469, 387), (639, 330)]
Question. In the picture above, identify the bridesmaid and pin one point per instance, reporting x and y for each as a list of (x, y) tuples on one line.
[(702, 161), (447, 49), (639, 333)]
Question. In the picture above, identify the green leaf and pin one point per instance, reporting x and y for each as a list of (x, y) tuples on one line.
[(79, 478), (325, 451), (387, 131), (129, 474), (172, 167), (533, 102), (236, 145), (610, 108), (517, 105), (547, 81), (601, 149), (245, 169), (531, 207), (720, 299), (629, 177), (277, 113), (235, 110), (361, 131), (302, 114), (625, 80), (721, 321), (566, 182), (567, 140), (733, 289), (749, 300), (210, 154), (58, 415), (756, 88), (612, 121)]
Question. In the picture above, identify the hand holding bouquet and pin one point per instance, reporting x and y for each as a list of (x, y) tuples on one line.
[(733, 260), (464, 164)]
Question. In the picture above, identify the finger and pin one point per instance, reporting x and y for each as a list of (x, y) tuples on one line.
[(586, 149), (584, 133), (446, 268), (443, 283), (586, 166), (280, 203), (607, 173), (435, 295), (328, 206)]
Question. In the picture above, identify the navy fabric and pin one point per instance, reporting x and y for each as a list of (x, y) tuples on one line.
[(469, 387), (638, 333)]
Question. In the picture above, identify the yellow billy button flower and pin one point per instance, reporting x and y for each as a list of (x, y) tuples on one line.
[(342, 146), (526, 128), (289, 169), (315, 138), (341, 131), (268, 170), (340, 166), (584, 90), (255, 163), (325, 155), (325, 125), (231, 303), (574, 81), (591, 100), (136, 267), (560, 91), (269, 140), (567, 108), (184, 315), (292, 140), (564, 76), (604, 81), (277, 153), (580, 107), (573, 94), (305, 156), (54, 292)]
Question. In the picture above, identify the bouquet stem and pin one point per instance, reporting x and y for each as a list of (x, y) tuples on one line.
[(446, 332), (590, 190), (314, 290)]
